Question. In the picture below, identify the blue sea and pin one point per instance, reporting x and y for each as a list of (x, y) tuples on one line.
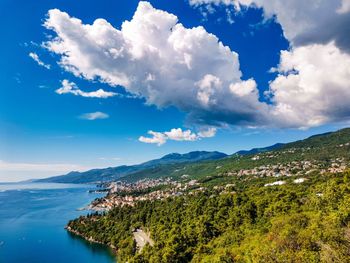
[(32, 220)]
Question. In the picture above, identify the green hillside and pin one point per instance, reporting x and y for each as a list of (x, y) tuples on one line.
[(291, 204), (117, 173), (307, 222)]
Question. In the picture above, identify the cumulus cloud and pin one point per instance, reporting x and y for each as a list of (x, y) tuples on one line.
[(345, 7), (155, 57), (180, 135), (71, 88), (177, 134), (313, 86), (157, 137), (94, 116), (210, 132), (36, 58), (303, 22)]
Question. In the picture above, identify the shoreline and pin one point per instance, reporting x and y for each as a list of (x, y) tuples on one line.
[(91, 240)]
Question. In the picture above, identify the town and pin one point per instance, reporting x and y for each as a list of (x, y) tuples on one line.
[(121, 193)]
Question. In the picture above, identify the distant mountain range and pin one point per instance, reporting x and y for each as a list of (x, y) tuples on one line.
[(199, 164), (116, 173), (261, 150), (322, 148)]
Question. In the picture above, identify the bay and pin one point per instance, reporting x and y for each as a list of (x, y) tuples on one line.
[(32, 220)]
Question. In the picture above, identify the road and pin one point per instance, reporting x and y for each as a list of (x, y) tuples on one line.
[(142, 239)]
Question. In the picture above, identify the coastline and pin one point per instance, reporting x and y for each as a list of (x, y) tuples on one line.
[(91, 240), (140, 237), (50, 206), (93, 207)]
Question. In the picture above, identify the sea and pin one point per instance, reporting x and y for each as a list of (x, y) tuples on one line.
[(32, 220)]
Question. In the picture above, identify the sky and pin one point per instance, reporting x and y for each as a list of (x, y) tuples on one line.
[(92, 84)]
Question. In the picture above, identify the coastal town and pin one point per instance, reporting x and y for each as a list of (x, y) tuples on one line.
[(293, 168), (121, 193)]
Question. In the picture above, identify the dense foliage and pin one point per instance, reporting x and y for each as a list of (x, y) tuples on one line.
[(308, 222)]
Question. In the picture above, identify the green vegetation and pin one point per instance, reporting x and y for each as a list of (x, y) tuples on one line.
[(229, 216), (308, 222)]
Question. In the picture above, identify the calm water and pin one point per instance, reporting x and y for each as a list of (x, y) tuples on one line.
[(32, 220)]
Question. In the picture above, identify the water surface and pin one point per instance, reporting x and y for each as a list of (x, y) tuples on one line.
[(32, 220)]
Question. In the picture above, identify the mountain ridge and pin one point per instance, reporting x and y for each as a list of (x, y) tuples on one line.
[(261, 149), (116, 173), (204, 163)]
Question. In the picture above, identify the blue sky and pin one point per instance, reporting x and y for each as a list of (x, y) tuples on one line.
[(45, 132)]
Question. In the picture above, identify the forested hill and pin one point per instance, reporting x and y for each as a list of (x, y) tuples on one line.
[(116, 173), (260, 150), (305, 222), (291, 204)]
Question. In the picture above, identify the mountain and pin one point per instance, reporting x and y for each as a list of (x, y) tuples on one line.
[(261, 150), (195, 156), (321, 149), (201, 164), (115, 173)]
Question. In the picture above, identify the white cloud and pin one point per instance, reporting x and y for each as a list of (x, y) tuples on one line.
[(244, 89), (94, 116), (157, 58), (177, 134), (313, 86), (72, 88), (344, 8), (157, 137), (210, 132), (36, 58), (180, 135), (207, 88), (303, 22)]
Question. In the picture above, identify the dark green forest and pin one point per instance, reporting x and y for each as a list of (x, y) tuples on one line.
[(308, 222)]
